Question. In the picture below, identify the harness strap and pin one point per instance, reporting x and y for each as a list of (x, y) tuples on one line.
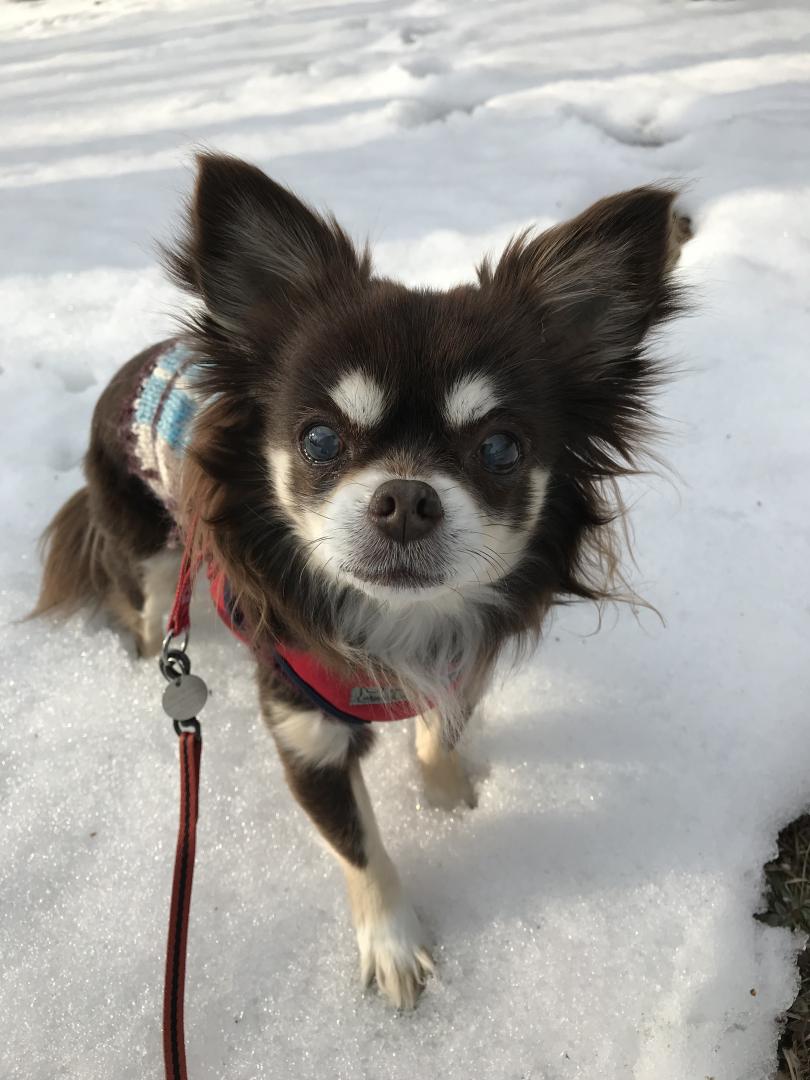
[(356, 699), (310, 692)]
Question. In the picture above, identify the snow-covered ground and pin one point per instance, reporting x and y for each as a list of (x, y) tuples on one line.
[(594, 913)]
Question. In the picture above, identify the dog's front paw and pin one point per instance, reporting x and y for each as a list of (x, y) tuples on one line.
[(394, 952), (148, 644), (446, 782)]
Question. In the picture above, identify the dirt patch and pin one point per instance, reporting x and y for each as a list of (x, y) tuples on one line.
[(789, 905)]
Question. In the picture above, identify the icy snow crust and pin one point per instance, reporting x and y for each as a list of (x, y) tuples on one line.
[(594, 913)]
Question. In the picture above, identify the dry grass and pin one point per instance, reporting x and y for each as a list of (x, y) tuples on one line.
[(789, 905)]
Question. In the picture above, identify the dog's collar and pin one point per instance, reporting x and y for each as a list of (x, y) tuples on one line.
[(358, 699)]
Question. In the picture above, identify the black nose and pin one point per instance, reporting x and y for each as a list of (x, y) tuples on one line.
[(405, 510)]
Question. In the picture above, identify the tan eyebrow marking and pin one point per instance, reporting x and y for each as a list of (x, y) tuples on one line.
[(360, 398), (470, 398)]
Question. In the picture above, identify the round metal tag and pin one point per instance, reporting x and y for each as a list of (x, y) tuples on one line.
[(184, 697)]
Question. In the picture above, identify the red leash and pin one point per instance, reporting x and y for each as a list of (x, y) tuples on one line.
[(174, 1049), (182, 700)]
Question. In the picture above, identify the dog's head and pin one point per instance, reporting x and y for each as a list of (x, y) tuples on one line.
[(412, 444)]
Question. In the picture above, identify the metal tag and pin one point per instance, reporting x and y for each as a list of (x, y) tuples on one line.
[(184, 697)]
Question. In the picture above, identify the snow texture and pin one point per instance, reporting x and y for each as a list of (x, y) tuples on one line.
[(594, 914)]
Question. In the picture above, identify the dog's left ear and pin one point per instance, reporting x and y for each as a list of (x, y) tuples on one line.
[(253, 252), (599, 281), (595, 286)]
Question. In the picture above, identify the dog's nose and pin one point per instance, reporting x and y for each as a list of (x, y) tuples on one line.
[(405, 510)]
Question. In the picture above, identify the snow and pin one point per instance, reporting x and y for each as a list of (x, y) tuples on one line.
[(594, 913)]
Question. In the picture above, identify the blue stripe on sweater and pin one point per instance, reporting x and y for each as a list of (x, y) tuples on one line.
[(173, 426), (149, 399), (173, 358), (161, 399), (154, 386)]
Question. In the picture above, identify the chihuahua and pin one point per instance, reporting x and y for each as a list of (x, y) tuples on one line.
[(389, 485)]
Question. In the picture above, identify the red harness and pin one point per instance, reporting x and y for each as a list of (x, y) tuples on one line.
[(358, 699)]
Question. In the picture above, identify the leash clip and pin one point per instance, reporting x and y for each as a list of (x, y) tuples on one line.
[(186, 694), (170, 657)]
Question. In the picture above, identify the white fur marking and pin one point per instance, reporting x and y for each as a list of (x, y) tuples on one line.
[(359, 398), (420, 633), (311, 736), (539, 482), (472, 397), (280, 471)]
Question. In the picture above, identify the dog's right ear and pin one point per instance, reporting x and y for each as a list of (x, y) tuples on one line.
[(252, 251)]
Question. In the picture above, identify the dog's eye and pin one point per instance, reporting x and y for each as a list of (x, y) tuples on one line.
[(320, 443), (499, 453)]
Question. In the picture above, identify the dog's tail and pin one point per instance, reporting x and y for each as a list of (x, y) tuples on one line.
[(74, 574)]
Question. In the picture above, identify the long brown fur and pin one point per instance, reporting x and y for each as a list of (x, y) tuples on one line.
[(74, 574)]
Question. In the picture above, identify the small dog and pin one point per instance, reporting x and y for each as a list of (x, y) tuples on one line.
[(389, 484)]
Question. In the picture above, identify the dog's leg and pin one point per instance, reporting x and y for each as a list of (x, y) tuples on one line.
[(321, 758), (444, 777), (123, 600), (138, 593), (159, 581)]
